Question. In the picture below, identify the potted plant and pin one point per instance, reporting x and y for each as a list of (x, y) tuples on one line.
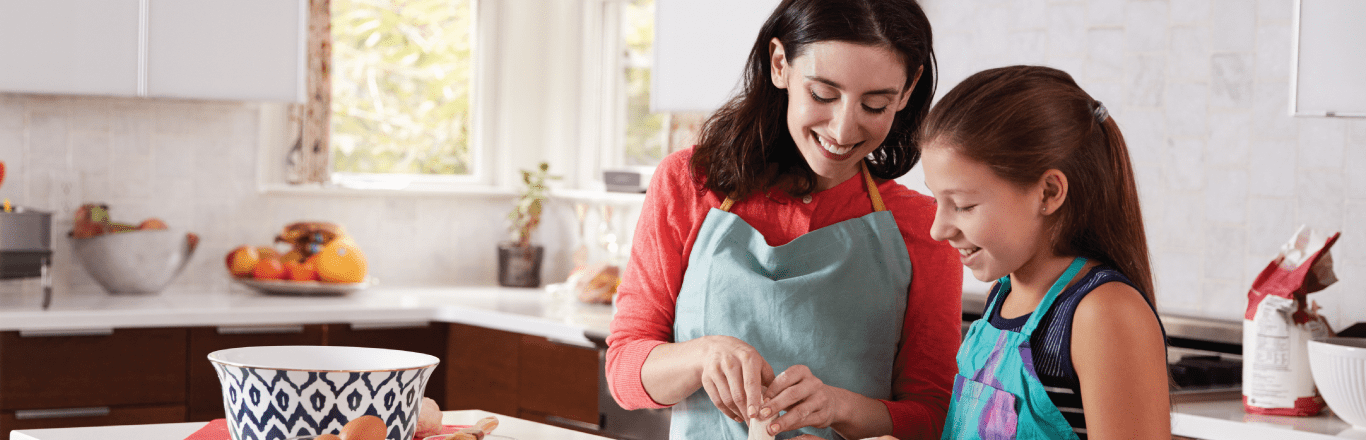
[(519, 261)]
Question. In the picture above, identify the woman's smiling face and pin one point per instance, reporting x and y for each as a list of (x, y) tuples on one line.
[(997, 226), (842, 100)]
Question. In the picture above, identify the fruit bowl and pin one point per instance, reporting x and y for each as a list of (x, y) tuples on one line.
[(305, 288), (292, 391), (135, 262)]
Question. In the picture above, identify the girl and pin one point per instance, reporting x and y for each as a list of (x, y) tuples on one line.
[(1035, 190), (780, 244)]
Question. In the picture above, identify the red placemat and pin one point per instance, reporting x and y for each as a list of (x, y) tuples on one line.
[(216, 429), (445, 429)]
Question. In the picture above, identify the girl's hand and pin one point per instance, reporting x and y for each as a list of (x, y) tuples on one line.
[(812, 437), (807, 400), (734, 374)]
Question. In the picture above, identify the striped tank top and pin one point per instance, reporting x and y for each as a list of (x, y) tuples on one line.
[(1051, 343)]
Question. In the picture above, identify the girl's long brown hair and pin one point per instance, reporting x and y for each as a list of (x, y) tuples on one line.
[(1024, 120), (745, 147)]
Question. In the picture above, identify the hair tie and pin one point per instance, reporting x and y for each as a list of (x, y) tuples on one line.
[(1100, 113)]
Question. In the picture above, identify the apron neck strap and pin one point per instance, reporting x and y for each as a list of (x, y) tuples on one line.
[(1052, 294), (1048, 298), (873, 193)]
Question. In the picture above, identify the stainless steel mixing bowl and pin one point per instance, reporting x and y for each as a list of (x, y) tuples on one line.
[(134, 262)]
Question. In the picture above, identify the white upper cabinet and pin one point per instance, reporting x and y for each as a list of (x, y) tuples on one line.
[(226, 49), (69, 46), (248, 50), (1330, 59)]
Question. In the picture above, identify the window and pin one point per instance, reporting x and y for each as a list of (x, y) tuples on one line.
[(638, 137), (401, 88), (646, 139)]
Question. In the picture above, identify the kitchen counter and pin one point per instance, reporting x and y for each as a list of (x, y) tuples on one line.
[(508, 427), (550, 312), (1226, 420)]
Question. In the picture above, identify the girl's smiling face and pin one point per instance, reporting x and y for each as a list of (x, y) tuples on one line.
[(997, 226), (842, 100)]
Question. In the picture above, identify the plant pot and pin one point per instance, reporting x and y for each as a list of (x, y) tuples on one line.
[(519, 266)]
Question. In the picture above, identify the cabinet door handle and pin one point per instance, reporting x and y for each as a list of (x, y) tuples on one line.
[(65, 332), (388, 325), (260, 329), (570, 422), (572, 343), (63, 413)]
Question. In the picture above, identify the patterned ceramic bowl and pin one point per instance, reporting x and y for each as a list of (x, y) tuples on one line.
[(282, 392)]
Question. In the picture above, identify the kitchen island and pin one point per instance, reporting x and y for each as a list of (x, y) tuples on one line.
[(508, 427)]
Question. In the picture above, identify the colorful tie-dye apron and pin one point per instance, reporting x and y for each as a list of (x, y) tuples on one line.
[(833, 299), (996, 394)]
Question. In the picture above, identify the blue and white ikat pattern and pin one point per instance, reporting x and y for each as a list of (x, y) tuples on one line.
[(267, 404)]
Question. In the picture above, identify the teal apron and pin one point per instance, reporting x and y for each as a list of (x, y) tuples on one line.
[(997, 394), (832, 299)]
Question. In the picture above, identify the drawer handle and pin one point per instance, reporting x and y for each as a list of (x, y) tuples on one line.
[(585, 343), (388, 325), (65, 332), (64, 413), (260, 329), (570, 422)]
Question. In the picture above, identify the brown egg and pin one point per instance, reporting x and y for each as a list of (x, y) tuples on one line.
[(364, 428), (327, 437)]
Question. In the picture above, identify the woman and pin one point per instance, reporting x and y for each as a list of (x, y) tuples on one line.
[(779, 244)]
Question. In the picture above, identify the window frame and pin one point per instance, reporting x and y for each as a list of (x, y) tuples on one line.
[(604, 119), (279, 134)]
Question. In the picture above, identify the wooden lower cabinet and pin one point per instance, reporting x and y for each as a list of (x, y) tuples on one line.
[(91, 416), (523, 376), (559, 381), (481, 369), (205, 399), (91, 377), (162, 375)]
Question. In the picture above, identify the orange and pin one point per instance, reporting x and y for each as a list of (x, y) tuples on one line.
[(340, 261), (270, 268), (242, 261), (301, 271)]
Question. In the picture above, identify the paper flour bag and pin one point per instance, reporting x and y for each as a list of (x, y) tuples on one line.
[(1279, 323)]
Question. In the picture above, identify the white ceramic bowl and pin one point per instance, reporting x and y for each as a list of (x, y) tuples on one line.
[(134, 262), (291, 391), (1339, 368)]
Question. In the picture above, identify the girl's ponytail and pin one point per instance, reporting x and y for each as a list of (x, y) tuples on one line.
[(1128, 250)]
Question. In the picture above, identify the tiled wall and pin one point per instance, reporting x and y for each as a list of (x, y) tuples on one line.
[(1200, 89), (193, 164)]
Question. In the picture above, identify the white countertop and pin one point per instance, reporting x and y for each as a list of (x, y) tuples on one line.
[(548, 312), (508, 427), (1226, 420)]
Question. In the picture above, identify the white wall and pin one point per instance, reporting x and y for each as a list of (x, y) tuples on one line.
[(1200, 89), (193, 164)]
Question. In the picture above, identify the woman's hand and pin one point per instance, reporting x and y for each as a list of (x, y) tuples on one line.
[(807, 400), (810, 402), (734, 374)]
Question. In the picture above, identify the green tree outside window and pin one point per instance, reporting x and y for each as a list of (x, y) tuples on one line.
[(401, 86)]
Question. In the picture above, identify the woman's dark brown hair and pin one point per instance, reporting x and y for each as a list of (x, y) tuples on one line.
[(745, 146), (1024, 120)]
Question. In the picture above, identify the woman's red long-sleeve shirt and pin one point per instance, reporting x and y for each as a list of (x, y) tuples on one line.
[(670, 218)]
